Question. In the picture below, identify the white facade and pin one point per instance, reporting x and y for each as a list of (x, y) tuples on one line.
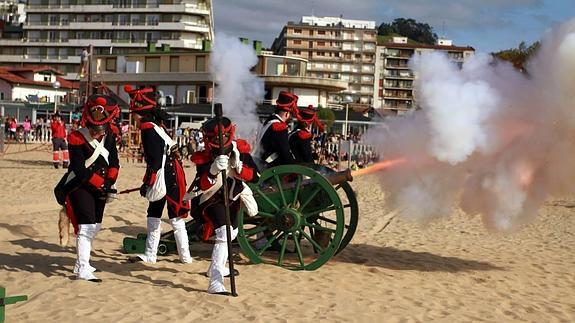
[(393, 87), (306, 97), (19, 93), (334, 21), (57, 31)]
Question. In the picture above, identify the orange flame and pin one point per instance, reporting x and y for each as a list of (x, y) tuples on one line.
[(379, 166), (524, 174)]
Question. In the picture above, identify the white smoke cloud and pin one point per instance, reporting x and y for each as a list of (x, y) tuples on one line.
[(238, 89), (488, 139), (457, 105)]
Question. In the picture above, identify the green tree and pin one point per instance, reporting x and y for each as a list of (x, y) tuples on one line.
[(518, 56), (326, 115), (410, 28)]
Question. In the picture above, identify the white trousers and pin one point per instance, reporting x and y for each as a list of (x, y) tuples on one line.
[(218, 269), (86, 234), (153, 240)]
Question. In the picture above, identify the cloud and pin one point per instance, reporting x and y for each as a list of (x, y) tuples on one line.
[(264, 20), (483, 24), (463, 13)]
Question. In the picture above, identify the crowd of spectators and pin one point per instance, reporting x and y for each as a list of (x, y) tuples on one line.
[(25, 131), (330, 149)]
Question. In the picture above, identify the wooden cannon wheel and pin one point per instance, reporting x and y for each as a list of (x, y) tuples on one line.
[(350, 206), (287, 230)]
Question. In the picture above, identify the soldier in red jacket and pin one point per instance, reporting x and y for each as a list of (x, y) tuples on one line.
[(59, 141), (93, 171), (164, 181), (300, 139), (272, 146), (240, 168)]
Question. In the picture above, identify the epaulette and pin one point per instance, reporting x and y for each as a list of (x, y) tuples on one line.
[(279, 126), (201, 157), (243, 146), (76, 138), (146, 125), (304, 135), (115, 129)]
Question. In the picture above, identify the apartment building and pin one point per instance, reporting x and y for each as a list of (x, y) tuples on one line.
[(184, 78), (56, 31), (394, 92), (335, 48)]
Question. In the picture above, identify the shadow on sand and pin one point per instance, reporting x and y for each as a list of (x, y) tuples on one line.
[(21, 229), (396, 259), (61, 265), (31, 162)]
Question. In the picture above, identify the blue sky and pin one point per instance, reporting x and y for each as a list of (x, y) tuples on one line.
[(487, 25)]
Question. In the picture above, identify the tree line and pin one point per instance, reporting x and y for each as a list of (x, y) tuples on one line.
[(423, 33)]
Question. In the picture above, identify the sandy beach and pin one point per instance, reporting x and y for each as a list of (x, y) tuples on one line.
[(452, 270)]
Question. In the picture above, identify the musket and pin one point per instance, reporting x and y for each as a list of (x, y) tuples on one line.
[(219, 116), (130, 190)]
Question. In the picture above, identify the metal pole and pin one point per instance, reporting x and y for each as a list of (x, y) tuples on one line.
[(213, 95), (89, 71), (219, 114), (2, 137), (346, 118), (349, 155), (338, 154)]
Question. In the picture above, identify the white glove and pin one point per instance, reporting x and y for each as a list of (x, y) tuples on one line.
[(238, 165), (220, 163)]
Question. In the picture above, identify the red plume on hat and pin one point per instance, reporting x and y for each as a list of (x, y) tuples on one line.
[(308, 115), (99, 110), (287, 101), (141, 99)]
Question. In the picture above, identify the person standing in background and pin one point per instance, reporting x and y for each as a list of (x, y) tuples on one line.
[(27, 127), (59, 142)]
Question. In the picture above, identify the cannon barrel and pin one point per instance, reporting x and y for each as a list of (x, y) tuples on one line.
[(339, 177), (334, 178)]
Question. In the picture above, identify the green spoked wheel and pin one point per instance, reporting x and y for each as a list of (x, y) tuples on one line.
[(287, 231), (350, 206)]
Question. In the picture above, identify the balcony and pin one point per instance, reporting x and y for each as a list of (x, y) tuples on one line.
[(397, 96), (397, 66), (312, 37), (40, 58), (399, 107), (402, 76), (118, 8), (398, 55)]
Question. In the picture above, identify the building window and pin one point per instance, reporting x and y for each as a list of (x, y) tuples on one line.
[(297, 42), (191, 97), (152, 64), (296, 52), (152, 20), (320, 53), (200, 63), (297, 31), (321, 43), (321, 32), (174, 63), (111, 64), (1, 95)]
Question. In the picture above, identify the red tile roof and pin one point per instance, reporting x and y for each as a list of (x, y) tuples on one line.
[(10, 75), (33, 69)]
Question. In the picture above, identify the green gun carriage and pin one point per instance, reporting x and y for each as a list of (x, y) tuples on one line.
[(307, 214)]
